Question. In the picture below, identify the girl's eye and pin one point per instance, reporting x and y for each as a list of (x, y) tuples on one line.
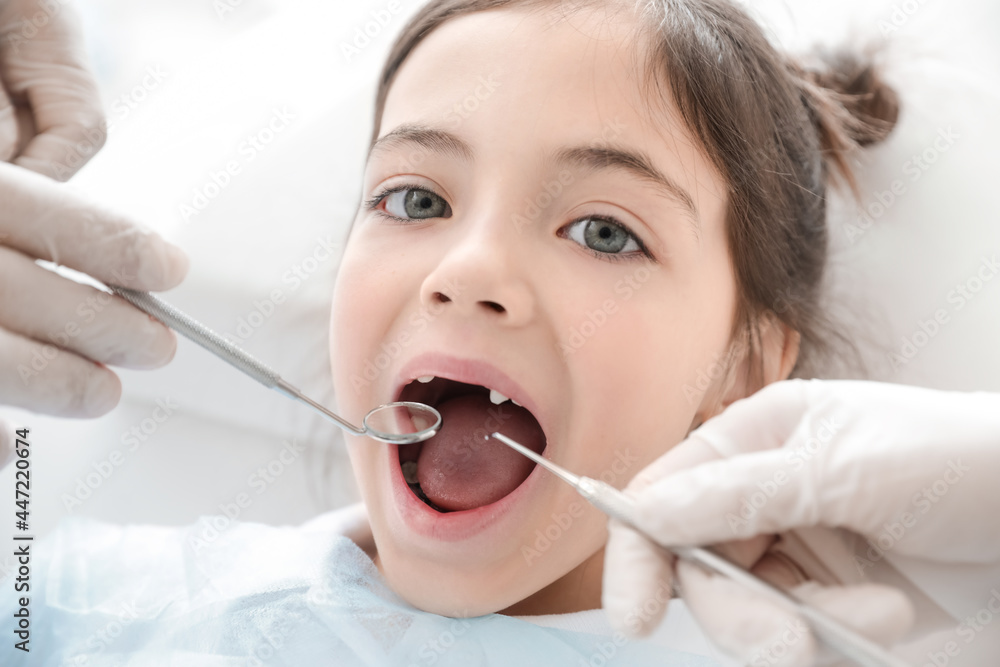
[(603, 236), (416, 204)]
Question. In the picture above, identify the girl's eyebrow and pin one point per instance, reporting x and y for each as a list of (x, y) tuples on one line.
[(428, 138), (592, 158), (636, 163)]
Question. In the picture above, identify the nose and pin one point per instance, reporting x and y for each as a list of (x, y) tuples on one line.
[(482, 275)]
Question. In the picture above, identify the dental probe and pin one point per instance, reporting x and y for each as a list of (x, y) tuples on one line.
[(619, 506), (396, 427)]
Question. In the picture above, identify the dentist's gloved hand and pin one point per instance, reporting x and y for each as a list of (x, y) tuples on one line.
[(57, 335), (859, 456), (51, 119)]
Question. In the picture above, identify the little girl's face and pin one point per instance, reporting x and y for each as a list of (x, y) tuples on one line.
[(552, 233)]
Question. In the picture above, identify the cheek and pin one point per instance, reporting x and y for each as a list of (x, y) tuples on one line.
[(363, 308), (637, 371)]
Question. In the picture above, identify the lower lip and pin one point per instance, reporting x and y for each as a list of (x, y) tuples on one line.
[(453, 526)]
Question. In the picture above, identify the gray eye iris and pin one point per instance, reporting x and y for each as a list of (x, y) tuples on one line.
[(605, 237), (421, 205)]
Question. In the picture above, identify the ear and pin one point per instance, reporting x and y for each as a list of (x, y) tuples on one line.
[(779, 351), (771, 360)]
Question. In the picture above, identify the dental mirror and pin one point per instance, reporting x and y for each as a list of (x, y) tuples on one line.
[(401, 423)]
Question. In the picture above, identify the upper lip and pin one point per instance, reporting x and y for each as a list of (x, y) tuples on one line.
[(469, 371)]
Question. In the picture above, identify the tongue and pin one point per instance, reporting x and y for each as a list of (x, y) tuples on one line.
[(461, 467)]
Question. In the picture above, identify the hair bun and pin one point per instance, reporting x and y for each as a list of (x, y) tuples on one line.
[(856, 83), (850, 103)]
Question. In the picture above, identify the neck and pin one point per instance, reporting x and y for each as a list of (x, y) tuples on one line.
[(578, 590)]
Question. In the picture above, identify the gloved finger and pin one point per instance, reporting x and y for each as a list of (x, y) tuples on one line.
[(754, 494), (79, 318), (747, 626), (50, 71), (770, 418), (46, 220), (689, 454), (756, 630), (638, 581), (634, 566), (8, 127), (7, 443), (880, 613), (764, 421), (774, 413), (45, 379)]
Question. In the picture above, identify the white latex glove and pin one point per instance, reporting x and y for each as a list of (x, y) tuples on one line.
[(875, 459), (55, 334), (51, 119)]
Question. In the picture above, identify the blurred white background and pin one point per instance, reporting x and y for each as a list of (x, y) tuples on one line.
[(188, 83)]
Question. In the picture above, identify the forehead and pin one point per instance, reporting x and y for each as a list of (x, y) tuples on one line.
[(529, 81), (546, 54)]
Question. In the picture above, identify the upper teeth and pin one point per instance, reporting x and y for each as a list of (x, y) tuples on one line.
[(496, 398)]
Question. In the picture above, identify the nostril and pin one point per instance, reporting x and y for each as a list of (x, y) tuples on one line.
[(494, 306), (441, 297)]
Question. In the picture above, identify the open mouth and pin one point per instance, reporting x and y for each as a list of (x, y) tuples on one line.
[(462, 468)]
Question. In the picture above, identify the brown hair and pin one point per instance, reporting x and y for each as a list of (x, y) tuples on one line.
[(775, 130)]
